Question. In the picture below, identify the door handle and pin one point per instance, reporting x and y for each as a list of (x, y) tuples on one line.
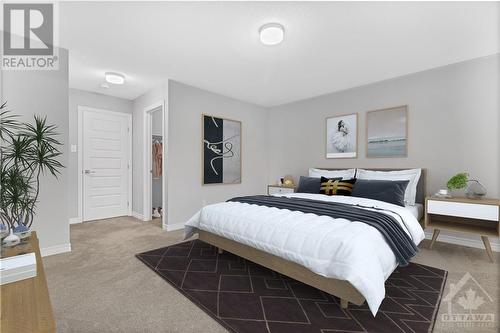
[(88, 172)]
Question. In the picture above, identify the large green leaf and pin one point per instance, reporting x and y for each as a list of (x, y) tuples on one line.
[(8, 122)]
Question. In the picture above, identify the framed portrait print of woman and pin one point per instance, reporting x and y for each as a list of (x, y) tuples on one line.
[(342, 136)]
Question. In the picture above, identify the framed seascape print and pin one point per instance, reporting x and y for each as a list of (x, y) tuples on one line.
[(387, 132), (221, 150), (342, 136)]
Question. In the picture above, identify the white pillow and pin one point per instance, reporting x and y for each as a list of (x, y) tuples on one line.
[(412, 175), (345, 174)]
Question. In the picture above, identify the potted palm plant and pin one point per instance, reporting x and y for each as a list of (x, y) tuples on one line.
[(27, 151)]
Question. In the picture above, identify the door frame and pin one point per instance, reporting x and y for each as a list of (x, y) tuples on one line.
[(81, 110), (147, 181)]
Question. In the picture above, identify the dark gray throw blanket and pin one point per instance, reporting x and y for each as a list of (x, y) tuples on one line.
[(399, 241)]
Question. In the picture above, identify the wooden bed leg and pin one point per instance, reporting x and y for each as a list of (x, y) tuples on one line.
[(487, 246), (220, 251), (344, 303), (435, 235)]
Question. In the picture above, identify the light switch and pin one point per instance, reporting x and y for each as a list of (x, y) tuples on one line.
[(74, 148)]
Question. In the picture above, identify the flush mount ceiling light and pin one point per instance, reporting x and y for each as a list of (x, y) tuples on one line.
[(272, 34), (114, 78)]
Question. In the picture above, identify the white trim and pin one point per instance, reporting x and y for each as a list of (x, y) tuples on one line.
[(147, 163), (130, 160), (172, 227), (463, 241), (75, 220), (80, 162), (165, 213), (138, 215), (56, 249), (81, 109)]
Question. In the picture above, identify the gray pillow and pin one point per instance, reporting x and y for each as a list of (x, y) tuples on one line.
[(309, 185), (391, 191)]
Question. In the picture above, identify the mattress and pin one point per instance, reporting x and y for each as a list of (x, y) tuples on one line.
[(417, 211)]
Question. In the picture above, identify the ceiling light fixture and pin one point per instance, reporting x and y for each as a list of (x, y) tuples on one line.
[(272, 34), (114, 78)]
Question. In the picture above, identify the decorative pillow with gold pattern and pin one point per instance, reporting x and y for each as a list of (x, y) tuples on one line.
[(336, 186)]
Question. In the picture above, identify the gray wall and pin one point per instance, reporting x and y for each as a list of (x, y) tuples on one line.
[(45, 93), (84, 98), (186, 195), (185, 104), (156, 125), (453, 124)]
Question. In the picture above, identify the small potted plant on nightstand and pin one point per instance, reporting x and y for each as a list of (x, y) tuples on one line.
[(475, 190), (27, 151), (457, 182)]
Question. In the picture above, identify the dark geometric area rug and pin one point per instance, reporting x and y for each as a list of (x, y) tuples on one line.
[(245, 297)]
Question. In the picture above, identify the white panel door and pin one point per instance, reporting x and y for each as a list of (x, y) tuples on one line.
[(105, 165)]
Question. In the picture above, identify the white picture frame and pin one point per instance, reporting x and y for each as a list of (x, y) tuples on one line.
[(341, 136)]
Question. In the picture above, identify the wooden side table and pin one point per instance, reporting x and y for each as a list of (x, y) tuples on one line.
[(279, 189), (479, 217), (25, 304)]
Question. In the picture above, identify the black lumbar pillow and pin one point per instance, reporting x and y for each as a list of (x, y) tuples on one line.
[(309, 185), (391, 191), (336, 186)]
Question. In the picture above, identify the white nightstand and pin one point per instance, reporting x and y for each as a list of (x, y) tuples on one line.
[(480, 217), (278, 189)]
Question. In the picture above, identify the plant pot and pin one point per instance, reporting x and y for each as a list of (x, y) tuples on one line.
[(11, 239), (22, 231), (456, 193)]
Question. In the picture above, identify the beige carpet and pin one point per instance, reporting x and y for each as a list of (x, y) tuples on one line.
[(101, 287)]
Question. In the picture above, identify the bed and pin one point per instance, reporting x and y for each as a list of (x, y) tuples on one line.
[(348, 259)]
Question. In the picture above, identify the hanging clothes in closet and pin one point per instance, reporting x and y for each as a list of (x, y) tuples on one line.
[(157, 156)]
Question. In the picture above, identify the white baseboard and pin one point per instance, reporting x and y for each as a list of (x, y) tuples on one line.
[(138, 216), (56, 249), (75, 220), (172, 227), (465, 241)]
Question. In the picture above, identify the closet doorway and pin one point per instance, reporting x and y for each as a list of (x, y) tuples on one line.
[(154, 203)]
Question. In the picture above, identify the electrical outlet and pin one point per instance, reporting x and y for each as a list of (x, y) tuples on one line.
[(74, 148)]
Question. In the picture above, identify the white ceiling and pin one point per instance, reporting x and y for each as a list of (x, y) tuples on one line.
[(215, 46)]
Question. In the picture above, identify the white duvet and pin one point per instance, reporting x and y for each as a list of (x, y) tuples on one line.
[(335, 248)]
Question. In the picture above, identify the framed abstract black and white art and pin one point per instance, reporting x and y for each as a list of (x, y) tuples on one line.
[(221, 150), (342, 136)]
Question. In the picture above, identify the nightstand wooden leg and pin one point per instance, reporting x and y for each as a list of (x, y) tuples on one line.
[(344, 303), (434, 237), (487, 246)]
